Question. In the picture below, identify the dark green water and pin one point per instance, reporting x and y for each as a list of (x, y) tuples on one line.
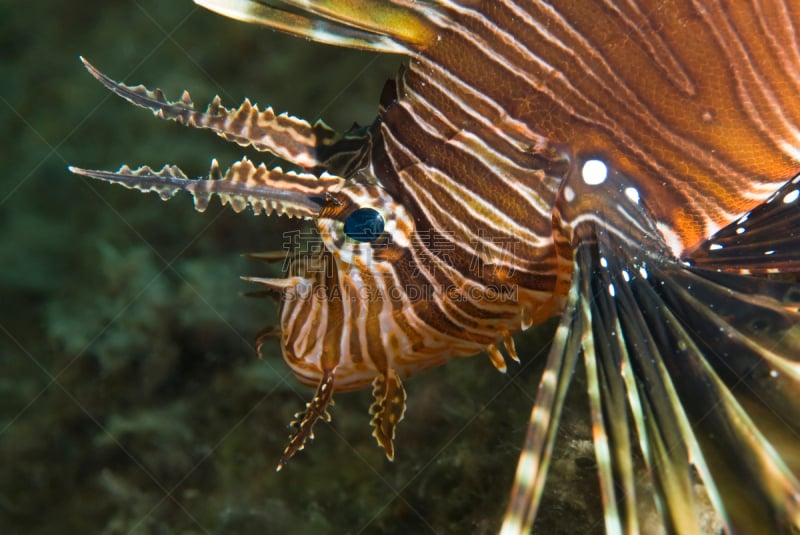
[(132, 398)]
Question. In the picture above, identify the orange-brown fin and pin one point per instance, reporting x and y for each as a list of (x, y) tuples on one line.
[(316, 409), (390, 26), (387, 410)]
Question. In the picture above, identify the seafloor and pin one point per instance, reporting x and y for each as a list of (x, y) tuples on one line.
[(132, 400)]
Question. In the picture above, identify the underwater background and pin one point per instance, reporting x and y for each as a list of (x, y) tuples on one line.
[(132, 400)]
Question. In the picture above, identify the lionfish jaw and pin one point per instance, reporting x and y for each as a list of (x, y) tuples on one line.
[(244, 184)]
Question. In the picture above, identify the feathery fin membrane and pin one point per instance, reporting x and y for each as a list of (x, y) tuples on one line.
[(765, 240), (699, 369)]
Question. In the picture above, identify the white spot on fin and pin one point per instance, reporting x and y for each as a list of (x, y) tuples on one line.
[(671, 237), (632, 194), (594, 172)]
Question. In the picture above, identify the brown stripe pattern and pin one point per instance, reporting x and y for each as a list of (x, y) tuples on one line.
[(481, 169)]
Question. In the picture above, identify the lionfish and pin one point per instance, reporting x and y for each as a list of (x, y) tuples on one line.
[(629, 165)]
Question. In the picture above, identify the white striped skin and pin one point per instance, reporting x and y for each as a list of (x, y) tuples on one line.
[(479, 144), (500, 96), (392, 304), (713, 137)]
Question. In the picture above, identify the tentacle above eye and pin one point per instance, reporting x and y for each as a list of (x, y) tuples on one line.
[(244, 184), (290, 138)]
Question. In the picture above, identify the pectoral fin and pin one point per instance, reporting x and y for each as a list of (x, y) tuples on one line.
[(698, 370)]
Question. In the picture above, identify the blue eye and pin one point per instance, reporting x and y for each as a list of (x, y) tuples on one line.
[(364, 225)]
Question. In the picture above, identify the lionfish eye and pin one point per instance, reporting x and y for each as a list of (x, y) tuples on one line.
[(364, 225)]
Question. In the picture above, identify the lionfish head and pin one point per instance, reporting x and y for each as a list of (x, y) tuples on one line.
[(349, 271), (360, 303)]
